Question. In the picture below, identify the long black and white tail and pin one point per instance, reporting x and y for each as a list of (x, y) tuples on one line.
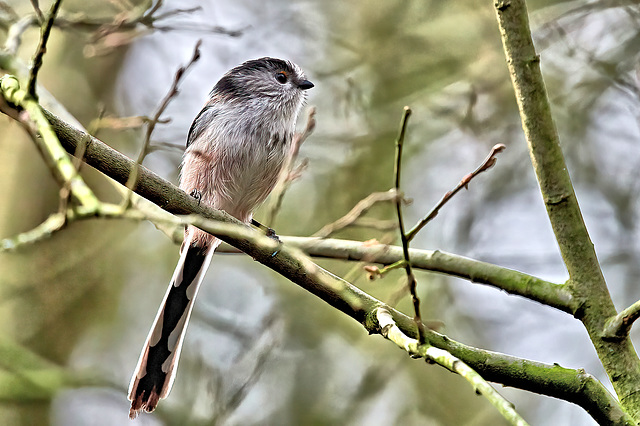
[(158, 362)]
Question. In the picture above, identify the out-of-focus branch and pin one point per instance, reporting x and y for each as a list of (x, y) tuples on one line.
[(390, 330), (151, 124), (619, 325), (16, 30), (587, 282), (288, 174), (356, 212), (48, 142), (464, 183), (26, 377), (106, 34)]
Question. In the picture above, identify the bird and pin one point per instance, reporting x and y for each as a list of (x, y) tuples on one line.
[(236, 148)]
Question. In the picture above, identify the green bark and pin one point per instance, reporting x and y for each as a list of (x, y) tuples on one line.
[(586, 282)]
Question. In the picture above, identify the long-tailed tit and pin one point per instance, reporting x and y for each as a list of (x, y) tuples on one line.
[(236, 148)]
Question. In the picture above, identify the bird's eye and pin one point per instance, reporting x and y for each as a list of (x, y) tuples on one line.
[(281, 77)]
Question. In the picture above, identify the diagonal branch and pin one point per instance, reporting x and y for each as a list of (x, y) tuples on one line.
[(151, 124), (42, 47), (358, 210), (464, 183), (37, 10), (288, 174)]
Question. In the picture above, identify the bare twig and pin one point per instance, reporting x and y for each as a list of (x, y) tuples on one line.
[(107, 34), (375, 224), (288, 173), (122, 123), (42, 48), (464, 183), (166, 146), (411, 279), (127, 26), (37, 10), (391, 331), (16, 30), (151, 125), (356, 212)]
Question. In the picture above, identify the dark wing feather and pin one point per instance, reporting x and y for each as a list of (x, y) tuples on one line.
[(200, 123)]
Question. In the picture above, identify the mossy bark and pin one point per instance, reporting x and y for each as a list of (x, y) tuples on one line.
[(586, 281)]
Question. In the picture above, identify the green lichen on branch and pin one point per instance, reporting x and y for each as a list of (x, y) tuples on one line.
[(292, 264), (587, 283)]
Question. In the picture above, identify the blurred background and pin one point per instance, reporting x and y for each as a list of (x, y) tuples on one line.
[(259, 349)]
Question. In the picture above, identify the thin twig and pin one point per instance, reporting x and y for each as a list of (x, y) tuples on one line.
[(375, 224), (37, 10), (288, 174), (356, 212), (390, 330), (411, 279), (464, 183), (42, 48), (124, 123), (151, 125)]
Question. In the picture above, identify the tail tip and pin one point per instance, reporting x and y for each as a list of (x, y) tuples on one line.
[(141, 402)]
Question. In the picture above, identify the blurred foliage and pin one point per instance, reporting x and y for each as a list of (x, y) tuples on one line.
[(85, 297)]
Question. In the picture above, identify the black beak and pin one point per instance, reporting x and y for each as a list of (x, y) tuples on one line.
[(305, 84)]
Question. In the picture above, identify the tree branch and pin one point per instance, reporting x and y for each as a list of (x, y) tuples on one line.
[(151, 124), (464, 183), (42, 47), (587, 283), (618, 326), (432, 354), (354, 214), (48, 142), (571, 385), (397, 171), (512, 282), (288, 175), (575, 386)]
